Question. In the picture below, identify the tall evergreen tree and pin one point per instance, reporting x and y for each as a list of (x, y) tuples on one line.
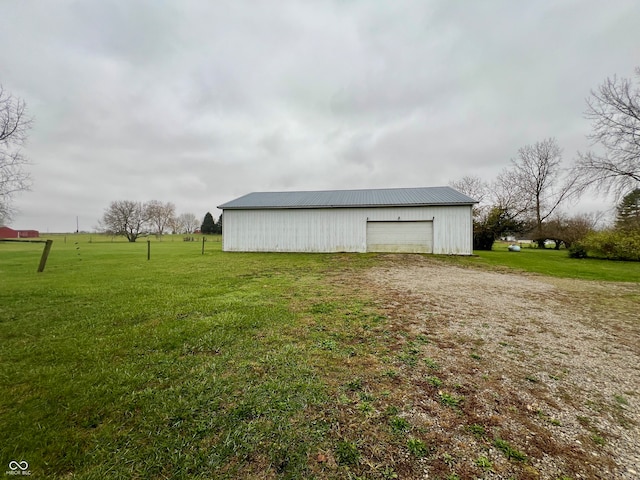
[(208, 225), (628, 217)]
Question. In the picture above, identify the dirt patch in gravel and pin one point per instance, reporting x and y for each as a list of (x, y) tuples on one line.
[(517, 375)]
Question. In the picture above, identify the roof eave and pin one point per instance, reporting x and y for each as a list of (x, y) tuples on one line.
[(315, 207)]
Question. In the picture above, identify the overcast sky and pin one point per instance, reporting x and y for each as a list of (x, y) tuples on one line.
[(198, 102)]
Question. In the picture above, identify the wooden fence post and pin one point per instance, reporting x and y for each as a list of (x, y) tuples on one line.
[(148, 249), (45, 255)]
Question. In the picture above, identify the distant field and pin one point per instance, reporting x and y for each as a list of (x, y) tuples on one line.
[(222, 365)]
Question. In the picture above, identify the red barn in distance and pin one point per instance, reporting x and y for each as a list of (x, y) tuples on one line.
[(6, 232)]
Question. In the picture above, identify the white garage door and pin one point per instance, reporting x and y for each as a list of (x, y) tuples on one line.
[(409, 237)]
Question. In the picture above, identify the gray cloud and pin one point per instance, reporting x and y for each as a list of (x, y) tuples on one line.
[(196, 102)]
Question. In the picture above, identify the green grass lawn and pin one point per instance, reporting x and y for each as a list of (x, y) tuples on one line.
[(555, 263), (222, 365), (185, 366)]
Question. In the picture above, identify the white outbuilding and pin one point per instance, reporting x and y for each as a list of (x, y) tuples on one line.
[(411, 220)]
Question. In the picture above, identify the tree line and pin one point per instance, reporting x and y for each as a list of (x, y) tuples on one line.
[(135, 219), (526, 197)]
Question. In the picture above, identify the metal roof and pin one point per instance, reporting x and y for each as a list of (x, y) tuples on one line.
[(386, 197)]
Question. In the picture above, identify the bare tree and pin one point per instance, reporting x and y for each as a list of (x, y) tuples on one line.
[(160, 215), (614, 111), (125, 217), (174, 225), (508, 195), (473, 186), (538, 180), (188, 222), (478, 189), (568, 230), (14, 126), (498, 210), (503, 193)]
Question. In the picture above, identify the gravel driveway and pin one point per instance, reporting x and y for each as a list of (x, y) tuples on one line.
[(552, 364)]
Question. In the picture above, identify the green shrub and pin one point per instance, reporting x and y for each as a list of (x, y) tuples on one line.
[(614, 244), (577, 250)]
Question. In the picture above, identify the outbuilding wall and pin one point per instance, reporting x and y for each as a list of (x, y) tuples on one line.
[(6, 232), (339, 229)]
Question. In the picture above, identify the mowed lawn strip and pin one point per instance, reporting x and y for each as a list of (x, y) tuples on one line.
[(180, 367), (555, 263)]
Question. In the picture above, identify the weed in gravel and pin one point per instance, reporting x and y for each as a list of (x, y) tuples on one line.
[(475, 356), (399, 425), (477, 430), (417, 447), (354, 385), (388, 473), (584, 421), (547, 418), (484, 463), (621, 400), (598, 439), (452, 476), (366, 397), (409, 356), (450, 400), (434, 381), (595, 406), (431, 363), (391, 373), (347, 453), (509, 452), (448, 459), (391, 410), (531, 378)]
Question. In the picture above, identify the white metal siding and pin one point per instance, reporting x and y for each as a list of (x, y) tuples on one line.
[(409, 237), (339, 229)]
